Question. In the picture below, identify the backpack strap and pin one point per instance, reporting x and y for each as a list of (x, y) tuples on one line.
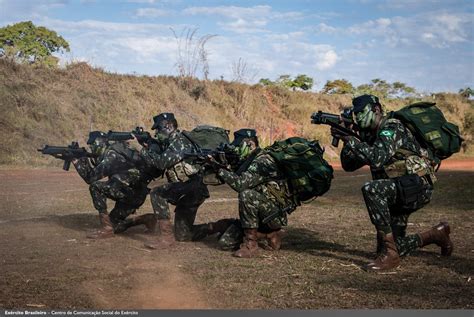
[(245, 165)]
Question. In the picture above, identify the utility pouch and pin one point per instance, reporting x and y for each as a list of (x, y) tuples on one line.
[(409, 190)]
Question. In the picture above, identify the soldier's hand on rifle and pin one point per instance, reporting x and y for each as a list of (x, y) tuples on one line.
[(339, 134), (212, 162), (134, 144)]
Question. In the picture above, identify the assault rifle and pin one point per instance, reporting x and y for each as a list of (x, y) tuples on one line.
[(143, 137), (224, 155), (340, 122), (66, 153), (280, 212)]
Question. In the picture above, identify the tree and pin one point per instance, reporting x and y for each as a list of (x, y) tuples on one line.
[(466, 92), (383, 89), (338, 86), (302, 82), (266, 82), (26, 43), (399, 89)]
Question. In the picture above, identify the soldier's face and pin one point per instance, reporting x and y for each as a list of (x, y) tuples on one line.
[(245, 148), (366, 118), (98, 146), (164, 130)]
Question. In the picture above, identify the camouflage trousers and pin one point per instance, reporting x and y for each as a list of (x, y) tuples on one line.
[(389, 212), (232, 237), (254, 206), (127, 199), (187, 197)]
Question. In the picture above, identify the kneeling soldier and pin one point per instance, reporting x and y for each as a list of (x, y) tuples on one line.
[(126, 185), (403, 182)]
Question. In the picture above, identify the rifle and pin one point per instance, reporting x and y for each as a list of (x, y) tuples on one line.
[(224, 155), (143, 137), (335, 121), (280, 212), (66, 153)]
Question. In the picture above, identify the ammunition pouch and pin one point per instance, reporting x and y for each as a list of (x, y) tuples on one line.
[(410, 190)]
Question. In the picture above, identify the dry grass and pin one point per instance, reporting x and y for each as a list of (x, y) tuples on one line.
[(41, 105)]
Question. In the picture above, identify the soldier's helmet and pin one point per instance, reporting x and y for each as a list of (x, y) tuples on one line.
[(163, 119), (94, 135), (243, 134), (362, 101)]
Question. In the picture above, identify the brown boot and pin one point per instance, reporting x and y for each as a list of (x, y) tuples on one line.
[(440, 236), (388, 259), (166, 237), (107, 230), (149, 220), (380, 244), (249, 248), (273, 239)]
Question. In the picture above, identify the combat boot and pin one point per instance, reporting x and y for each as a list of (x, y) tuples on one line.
[(248, 248), (166, 237), (207, 229), (380, 244), (273, 239), (107, 230), (439, 235), (149, 220), (388, 259)]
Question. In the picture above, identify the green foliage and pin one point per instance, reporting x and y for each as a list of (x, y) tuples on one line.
[(266, 82), (384, 89), (26, 43), (466, 92), (338, 86), (301, 81)]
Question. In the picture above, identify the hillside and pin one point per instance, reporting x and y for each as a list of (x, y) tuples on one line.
[(55, 106)]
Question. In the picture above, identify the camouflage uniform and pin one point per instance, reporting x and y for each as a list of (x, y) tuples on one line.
[(262, 190), (126, 184), (185, 189), (400, 168)]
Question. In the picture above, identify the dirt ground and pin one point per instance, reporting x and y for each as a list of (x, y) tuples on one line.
[(47, 262)]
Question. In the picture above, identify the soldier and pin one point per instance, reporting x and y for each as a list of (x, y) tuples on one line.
[(230, 230), (402, 183), (185, 188), (262, 189), (126, 185)]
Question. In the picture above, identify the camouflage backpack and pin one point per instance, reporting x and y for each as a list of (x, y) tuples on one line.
[(301, 160), (431, 129), (208, 137)]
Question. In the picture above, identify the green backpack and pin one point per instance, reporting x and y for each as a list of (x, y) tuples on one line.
[(431, 129), (207, 137), (301, 160)]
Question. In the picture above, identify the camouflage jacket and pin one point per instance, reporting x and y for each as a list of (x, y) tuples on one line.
[(117, 162), (262, 175), (171, 159), (393, 152)]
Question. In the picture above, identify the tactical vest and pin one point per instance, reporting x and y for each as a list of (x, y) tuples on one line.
[(183, 170), (407, 162)]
